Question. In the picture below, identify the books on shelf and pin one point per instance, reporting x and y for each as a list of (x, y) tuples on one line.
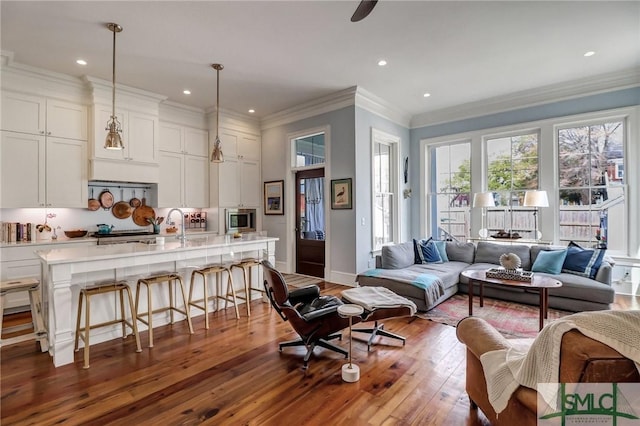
[(11, 232)]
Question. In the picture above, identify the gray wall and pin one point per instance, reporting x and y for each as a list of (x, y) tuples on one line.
[(365, 121), (340, 229)]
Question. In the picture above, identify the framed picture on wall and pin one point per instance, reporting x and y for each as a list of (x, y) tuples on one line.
[(341, 194), (274, 197)]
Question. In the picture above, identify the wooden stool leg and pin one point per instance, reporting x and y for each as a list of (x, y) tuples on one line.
[(186, 306), (134, 320), (233, 292), (150, 315), (87, 328), (206, 301), (122, 317), (78, 321), (172, 303), (247, 289)]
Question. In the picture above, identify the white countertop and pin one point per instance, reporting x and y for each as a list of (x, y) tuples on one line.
[(116, 251)]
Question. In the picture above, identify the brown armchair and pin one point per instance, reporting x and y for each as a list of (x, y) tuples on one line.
[(581, 360), (315, 318)]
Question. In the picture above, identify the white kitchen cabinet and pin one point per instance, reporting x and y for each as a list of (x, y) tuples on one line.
[(239, 183), (139, 135), (42, 171), (20, 261), (184, 167), (41, 116)]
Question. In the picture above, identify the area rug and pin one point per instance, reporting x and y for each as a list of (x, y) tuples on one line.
[(509, 318), (299, 280)]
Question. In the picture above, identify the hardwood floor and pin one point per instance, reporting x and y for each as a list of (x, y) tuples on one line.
[(234, 374)]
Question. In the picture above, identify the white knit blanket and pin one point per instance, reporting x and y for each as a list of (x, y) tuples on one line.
[(507, 369), (372, 298)]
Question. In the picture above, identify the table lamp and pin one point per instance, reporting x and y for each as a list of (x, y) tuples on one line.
[(483, 199), (536, 199)]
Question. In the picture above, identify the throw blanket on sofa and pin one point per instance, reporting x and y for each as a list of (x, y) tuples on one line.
[(507, 369), (431, 284)]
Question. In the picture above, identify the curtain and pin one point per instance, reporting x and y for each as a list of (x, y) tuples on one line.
[(314, 198)]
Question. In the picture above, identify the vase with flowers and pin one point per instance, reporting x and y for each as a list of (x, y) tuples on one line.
[(45, 231)]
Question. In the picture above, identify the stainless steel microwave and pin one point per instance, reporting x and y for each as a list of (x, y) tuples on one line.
[(240, 220)]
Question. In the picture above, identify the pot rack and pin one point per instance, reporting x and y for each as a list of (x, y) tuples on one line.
[(120, 185)]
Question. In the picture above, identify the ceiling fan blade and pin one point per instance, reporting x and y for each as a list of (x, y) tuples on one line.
[(364, 9)]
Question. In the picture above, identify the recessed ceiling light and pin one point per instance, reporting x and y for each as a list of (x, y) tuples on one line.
[(251, 111), (81, 62), (186, 92), (426, 95), (382, 62), (589, 53)]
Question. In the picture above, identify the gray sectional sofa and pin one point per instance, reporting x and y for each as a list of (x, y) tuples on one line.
[(432, 283)]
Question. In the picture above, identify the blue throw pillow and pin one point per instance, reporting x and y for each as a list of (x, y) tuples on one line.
[(581, 261), (426, 252), (442, 249), (549, 261)]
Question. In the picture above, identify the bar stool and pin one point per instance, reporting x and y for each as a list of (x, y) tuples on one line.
[(104, 288), (246, 265), (32, 286), (204, 273), (170, 278)]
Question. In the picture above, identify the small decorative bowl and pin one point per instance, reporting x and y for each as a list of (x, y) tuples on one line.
[(171, 230), (76, 233)]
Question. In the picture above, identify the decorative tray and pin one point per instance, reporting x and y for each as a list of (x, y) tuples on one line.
[(504, 274)]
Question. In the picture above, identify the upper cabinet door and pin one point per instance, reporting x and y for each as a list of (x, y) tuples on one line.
[(249, 147), (23, 170), (23, 113), (171, 136), (142, 138), (66, 173), (66, 120), (196, 142), (229, 140)]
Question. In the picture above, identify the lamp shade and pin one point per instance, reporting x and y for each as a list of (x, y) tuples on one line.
[(535, 199), (483, 199)]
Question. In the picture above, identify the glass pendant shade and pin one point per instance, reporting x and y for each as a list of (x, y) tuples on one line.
[(216, 155)]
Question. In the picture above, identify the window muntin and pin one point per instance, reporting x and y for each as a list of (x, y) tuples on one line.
[(309, 150), (450, 191), (512, 169), (384, 196), (591, 182)]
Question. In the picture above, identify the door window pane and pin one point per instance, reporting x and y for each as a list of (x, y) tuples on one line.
[(309, 150)]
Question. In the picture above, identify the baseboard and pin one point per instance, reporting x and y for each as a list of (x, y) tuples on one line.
[(342, 278)]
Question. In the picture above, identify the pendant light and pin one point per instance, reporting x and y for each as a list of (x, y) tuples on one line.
[(114, 137), (216, 155)]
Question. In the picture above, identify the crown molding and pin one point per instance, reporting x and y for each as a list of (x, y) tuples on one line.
[(232, 120), (332, 102), (528, 98), (372, 103), (177, 113)]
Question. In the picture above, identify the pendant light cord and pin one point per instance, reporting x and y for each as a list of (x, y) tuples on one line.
[(113, 86), (217, 103)]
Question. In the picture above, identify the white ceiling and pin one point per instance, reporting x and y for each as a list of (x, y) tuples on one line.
[(280, 54)]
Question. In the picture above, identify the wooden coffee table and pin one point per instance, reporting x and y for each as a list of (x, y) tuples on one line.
[(539, 282)]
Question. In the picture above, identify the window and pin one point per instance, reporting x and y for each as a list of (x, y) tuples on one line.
[(384, 181), (591, 183), (309, 150), (450, 188), (512, 169)]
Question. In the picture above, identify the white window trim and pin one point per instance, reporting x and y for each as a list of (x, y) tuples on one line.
[(548, 164), (380, 137)]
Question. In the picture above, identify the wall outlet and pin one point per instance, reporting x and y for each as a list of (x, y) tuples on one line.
[(362, 221)]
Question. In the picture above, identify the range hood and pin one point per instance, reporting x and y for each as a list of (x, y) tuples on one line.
[(123, 171)]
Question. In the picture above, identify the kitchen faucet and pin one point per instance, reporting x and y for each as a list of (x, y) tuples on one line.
[(182, 237)]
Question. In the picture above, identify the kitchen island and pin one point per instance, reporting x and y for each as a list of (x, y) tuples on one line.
[(67, 270)]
